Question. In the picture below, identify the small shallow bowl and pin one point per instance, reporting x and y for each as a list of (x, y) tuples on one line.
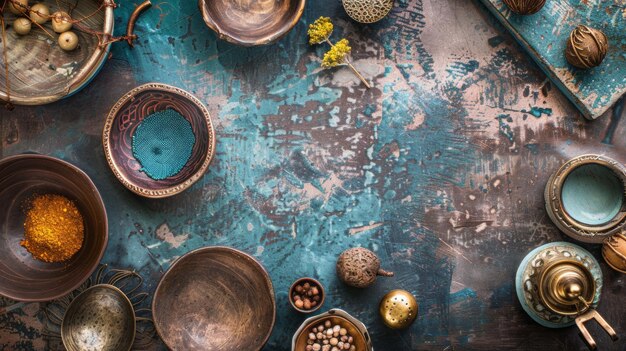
[(214, 298), (355, 328), (100, 318), (40, 72), (22, 277), (310, 281), (128, 113), (251, 22)]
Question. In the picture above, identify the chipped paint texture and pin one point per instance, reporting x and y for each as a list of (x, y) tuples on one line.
[(439, 168)]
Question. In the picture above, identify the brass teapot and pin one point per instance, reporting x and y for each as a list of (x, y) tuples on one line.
[(558, 285)]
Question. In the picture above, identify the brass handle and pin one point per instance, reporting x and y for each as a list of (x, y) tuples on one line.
[(592, 314), (130, 29)]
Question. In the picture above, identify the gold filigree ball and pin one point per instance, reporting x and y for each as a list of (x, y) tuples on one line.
[(398, 309), (367, 11), (586, 47), (614, 252), (358, 267), (525, 7)]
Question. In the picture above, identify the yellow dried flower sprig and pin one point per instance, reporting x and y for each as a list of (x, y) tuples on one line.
[(319, 32)]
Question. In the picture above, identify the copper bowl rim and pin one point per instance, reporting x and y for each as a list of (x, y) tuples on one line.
[(106, 286), (128, 183), (316, 282), (269, 39), (88, 70), (248, 257), (98, 199)]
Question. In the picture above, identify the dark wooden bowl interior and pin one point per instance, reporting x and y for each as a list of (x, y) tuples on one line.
[(359, 339), (37, 65), (128, 118), (21, 276), (251, 22), (215, 298)]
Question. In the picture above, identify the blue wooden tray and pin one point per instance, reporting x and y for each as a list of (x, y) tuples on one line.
[(544, 36)]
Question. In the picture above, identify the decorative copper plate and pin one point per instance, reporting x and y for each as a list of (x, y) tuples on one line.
[(128, 113), (215, 298), (251, 22), (22, 277)]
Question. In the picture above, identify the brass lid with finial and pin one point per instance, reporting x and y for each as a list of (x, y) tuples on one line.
[(398, 309), (566, 286)]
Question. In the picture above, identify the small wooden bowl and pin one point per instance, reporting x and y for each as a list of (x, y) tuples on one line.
[(355, 328), (128, 113), (215, 298), (251, 22), (312, 282), (22, 277)]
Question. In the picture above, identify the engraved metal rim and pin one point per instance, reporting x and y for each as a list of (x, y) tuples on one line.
[(180, 187), (106, 286), (556, 211), (269, 39), (98, 199), (335, 312), (89, 69), (322, 292), (246, 256), (546, 302)]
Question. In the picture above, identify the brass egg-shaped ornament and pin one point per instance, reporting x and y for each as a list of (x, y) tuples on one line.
[(367, 11), (614, 252), (398, 309), (586, 47), (525, 7)]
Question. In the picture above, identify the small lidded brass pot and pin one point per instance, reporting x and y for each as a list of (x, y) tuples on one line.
[(398, 309), (558, 285)]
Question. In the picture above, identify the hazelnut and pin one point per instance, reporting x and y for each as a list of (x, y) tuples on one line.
[(39, 13), (61, 22), (22, 26)]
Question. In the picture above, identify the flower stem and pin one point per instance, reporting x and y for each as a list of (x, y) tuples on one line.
[(367, 85)]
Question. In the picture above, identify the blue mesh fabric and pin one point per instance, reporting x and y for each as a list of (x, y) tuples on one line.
[(162, 143)]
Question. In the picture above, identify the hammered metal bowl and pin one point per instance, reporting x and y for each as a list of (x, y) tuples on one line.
[(125, 117), (101, 318), (356, 329), (214, 298), (22, 277), (251, 22)]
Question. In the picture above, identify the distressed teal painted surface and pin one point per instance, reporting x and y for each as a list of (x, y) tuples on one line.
[(544, 36), (423, 169)]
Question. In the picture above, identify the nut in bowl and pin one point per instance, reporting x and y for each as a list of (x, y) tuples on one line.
[(335, 330), (306, 295)]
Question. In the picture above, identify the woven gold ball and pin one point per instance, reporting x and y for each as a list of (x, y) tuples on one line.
[(614, 252), (398, 309), (525, 7), (586, 47), (367, 11)]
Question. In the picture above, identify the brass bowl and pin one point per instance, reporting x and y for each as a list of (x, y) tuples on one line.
[(100, 318), (125, 117), (311, 281), (40, 72), (251, 22), (22, 277), (214, 298), (356, 329)]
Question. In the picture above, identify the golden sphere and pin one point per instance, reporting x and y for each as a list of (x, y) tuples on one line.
[(22, 26), (614, 252), (39, 13), (68, 41), (398, 309)]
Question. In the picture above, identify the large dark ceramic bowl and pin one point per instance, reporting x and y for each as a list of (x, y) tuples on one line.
[(22, 277), (251, 22), (125, 117), (214, 298)]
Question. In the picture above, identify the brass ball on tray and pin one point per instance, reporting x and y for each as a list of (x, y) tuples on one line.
[(398, 309), (614, 252), (586, 47), (367, 11), (525, 7)]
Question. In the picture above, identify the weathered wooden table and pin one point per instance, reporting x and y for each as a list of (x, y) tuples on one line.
[(439, 168)]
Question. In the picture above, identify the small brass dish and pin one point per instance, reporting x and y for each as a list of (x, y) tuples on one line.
[(322, 294), (251, 22), (214, 298), (125, 117), (100, 318), (362, 339)]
